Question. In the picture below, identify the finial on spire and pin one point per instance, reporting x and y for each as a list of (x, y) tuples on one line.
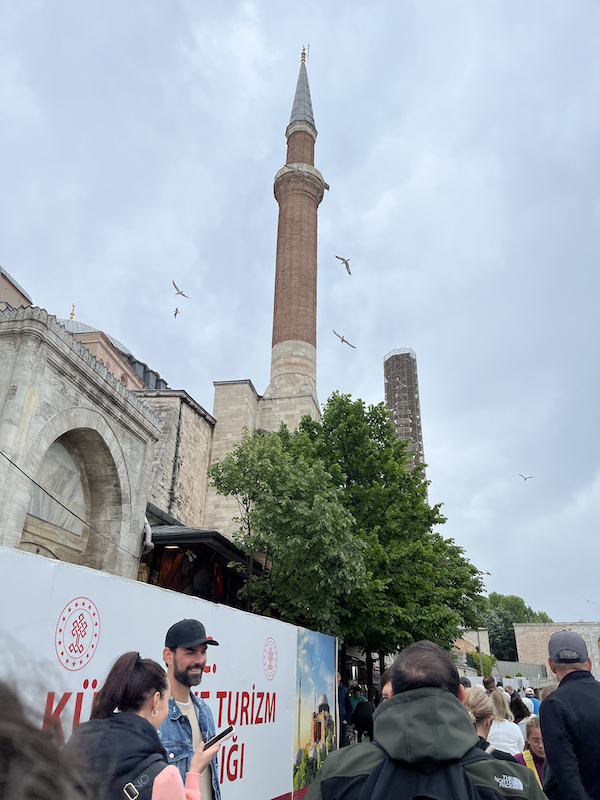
[(303, 57), (72, 312)]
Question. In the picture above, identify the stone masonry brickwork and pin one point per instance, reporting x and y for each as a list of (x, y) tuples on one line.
[(295, 309), (469, 641), (181, 457), (301, 148), (235, 408), (52, 388), (532, 640)]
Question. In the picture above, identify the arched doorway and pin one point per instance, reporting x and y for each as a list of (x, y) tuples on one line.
[(78, 517)]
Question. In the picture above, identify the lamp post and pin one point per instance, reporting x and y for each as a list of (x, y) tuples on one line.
[(479, 648), (479, 643)]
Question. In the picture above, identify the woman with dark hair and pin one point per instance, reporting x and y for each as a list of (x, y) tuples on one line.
[(520, 712), (120, 744)]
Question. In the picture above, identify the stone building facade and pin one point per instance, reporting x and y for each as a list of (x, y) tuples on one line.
[(181, 457), (532, 640), (69, 426)]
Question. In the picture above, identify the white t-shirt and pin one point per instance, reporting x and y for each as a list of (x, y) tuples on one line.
[(507, 736), (206, 781)]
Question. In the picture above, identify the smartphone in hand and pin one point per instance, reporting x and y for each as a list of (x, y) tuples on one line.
[(220, 737)]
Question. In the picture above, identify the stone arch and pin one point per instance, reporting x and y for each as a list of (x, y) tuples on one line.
[(93, 465)]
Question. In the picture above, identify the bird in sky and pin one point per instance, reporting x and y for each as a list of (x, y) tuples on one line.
[(346, 263), (178, 291), (526, 478), (344, 341), (589, 601), (176, 312)]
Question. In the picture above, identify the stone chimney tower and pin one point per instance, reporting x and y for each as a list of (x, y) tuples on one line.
[(299, 189)]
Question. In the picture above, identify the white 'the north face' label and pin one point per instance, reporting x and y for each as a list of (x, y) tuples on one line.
[(508, 782)]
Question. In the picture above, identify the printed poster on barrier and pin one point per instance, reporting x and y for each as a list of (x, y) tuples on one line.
[(315, 706), (64, 625)]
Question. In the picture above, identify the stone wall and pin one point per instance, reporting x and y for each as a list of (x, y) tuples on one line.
[(235, 408), (468, 642), (181, 457), (532, 640), (51, 389)]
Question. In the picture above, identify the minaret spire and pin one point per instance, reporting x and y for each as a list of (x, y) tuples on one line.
[(299, 189)]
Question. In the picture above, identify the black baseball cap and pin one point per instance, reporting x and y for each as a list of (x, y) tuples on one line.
[(187, 633), (567, 647)]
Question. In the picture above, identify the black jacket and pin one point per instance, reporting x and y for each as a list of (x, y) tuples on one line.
[(423, 729), (570, 722), (110, 751)]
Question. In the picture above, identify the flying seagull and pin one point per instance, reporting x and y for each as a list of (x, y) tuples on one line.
[(589, 601), (344, 341), (346, 263), (178, 291), (526, 478), (177, 311)]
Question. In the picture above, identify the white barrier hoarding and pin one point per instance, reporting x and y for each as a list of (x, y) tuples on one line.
[(62, 626)]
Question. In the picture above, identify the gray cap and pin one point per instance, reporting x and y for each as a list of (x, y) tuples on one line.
[(567, 647)]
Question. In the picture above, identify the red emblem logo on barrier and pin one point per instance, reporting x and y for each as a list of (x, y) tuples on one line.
[(270, 659), (77, 634)]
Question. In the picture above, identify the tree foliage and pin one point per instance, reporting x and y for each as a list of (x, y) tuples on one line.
[(419, 585), (487, 661), (501, 611), (291, 513), (347, 532)]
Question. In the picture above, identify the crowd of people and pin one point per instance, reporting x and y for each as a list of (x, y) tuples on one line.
[(431, 735), (434, 735)]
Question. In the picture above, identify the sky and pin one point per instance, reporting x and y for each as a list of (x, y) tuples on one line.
[(138, 145)]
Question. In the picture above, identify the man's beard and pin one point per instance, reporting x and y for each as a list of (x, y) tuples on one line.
[(183, 676)]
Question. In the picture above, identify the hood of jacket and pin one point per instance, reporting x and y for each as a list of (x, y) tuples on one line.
[(424, 725)]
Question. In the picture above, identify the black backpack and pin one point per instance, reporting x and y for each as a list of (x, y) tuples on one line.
[(393, 780)]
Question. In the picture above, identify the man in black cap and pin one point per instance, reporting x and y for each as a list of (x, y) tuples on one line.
[(190, 720), (570, 720)]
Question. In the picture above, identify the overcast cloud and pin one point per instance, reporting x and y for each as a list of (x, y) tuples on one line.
[(139, 142)]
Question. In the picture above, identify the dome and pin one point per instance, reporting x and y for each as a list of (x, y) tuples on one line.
[(74, 326), (323, 703)]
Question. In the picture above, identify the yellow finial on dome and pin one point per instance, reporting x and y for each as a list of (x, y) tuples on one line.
[(72, 312), (303, 58)]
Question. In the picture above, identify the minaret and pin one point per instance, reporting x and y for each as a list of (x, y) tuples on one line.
[(292, 392), (299, 189)]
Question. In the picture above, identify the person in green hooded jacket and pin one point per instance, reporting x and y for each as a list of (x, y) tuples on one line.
[(423, 740)]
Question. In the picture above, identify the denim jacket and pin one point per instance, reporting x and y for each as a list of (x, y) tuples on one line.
[(176, 737)]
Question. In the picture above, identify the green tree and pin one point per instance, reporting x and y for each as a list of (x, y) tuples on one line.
[(346, 533), (291, 513), (419, 585), (502, 611)]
